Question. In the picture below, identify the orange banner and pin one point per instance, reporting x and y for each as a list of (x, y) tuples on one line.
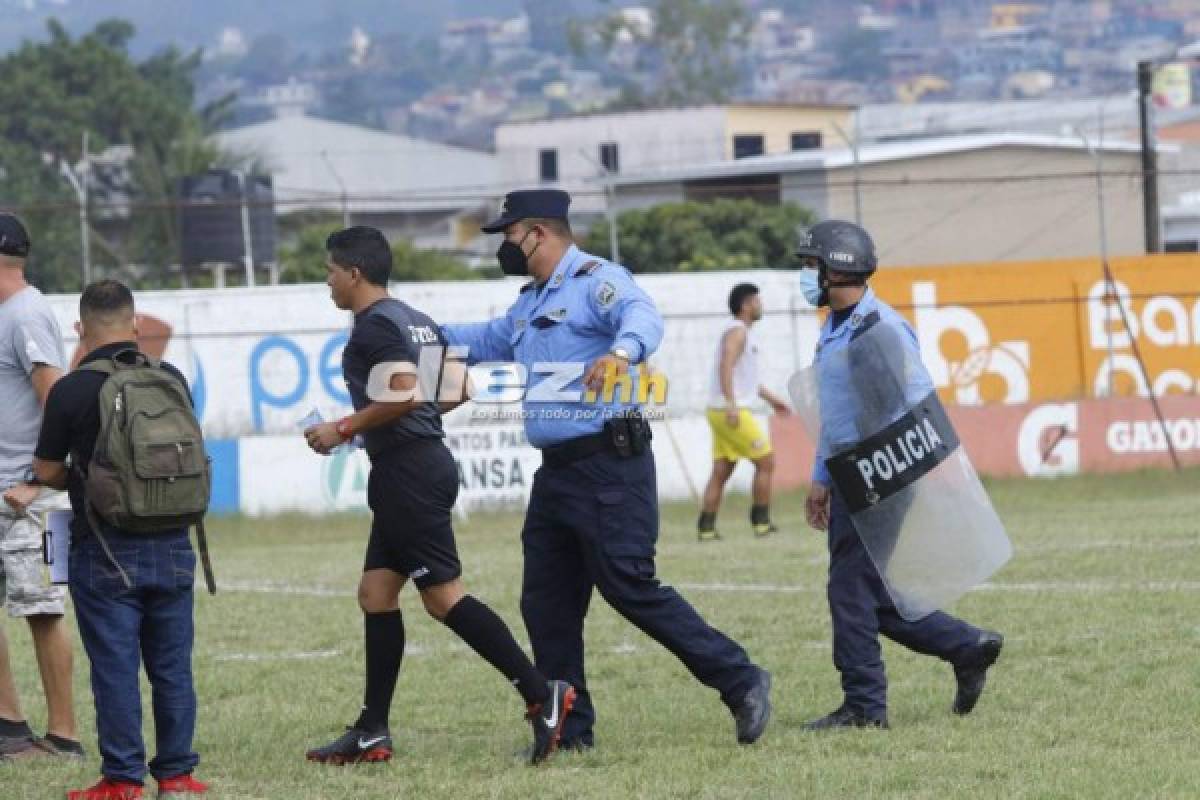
[(1042, 440), (1030, 332)]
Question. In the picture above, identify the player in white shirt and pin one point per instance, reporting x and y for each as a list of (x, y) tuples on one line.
[(734, 387)]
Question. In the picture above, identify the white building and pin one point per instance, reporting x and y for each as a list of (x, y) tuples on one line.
[(942, 200), (577, 153), (429, 192)]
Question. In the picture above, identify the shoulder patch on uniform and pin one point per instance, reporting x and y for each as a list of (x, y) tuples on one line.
[(527, 287), (588, 268), (606, 294), (861, 324)]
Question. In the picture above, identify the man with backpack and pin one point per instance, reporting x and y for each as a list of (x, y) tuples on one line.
[(138, 477)]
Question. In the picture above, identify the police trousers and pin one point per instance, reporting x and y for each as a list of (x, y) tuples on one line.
[(861, 609), (594, 523)]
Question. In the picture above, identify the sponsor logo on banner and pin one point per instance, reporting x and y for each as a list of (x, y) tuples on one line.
[(1048, 441), (1007, 361), (1165, 323), (495, 466), (495, 471), (1150, 436)]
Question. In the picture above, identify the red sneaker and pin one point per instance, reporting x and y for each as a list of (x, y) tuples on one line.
[(107, 789), (181, 786)]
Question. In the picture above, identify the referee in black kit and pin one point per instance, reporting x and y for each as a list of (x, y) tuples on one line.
[(411, 491)]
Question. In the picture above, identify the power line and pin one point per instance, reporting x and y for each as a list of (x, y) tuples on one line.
[(482, 193)]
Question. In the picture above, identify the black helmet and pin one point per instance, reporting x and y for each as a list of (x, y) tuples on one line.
[(839, 246)]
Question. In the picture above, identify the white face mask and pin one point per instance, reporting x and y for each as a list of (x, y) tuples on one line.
[(810, 286)]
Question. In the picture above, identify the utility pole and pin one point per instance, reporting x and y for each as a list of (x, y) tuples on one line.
[(1150, 212), (80, 184), (610, 207), (341, 185), (853, 145), (247, 237)]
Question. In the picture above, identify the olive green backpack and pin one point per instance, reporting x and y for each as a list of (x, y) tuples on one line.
[(149, 471)]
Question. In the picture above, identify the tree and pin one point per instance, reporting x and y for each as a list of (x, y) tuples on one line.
[(55, 90), (303, 260), (695, 47), (688, 237), (699, 45)]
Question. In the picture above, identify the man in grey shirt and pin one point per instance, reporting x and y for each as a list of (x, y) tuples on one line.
[(31, 360)]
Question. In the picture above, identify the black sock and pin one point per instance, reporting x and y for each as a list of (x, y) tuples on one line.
[(707, 521), (385, 649), (760, 515), (9, 727), (486, 633)]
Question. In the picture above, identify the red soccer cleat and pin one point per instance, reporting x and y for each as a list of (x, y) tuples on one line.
[(107, 789), (181, 786)]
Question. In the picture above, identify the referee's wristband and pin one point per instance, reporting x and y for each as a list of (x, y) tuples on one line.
[(342, 426)]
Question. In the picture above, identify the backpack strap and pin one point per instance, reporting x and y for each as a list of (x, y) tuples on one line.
[(205, 561)]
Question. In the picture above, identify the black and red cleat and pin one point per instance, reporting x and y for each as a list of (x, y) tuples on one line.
[(548, 719), (355, 746)]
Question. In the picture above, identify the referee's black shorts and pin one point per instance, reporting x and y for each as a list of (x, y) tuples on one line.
[(411, 492)]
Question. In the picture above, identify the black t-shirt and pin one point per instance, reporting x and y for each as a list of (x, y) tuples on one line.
[(389, 330), (71, 423)]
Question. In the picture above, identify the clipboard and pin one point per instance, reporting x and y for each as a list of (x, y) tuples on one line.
[(56, 544)]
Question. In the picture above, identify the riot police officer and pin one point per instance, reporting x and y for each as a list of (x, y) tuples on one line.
[(837, 259), (592, 519)]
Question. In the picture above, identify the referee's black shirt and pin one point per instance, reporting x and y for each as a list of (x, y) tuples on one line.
[(389, 330)]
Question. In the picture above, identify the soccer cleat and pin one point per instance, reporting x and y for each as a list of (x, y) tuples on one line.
[(181, 787), (754, 711), (55, 745), (972, 676), (764, 529), (709, 535), (108, 789), (845, 717), (355, 746), (548, 719)]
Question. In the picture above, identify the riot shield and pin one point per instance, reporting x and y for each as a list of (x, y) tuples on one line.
[(896, 462)]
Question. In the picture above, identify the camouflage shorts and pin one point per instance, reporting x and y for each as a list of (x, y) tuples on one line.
[(24, 583)]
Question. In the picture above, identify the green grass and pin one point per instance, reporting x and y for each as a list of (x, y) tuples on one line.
[(1096, 694)]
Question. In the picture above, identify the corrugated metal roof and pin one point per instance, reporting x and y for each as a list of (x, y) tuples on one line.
[(814, 160), (313, 159)]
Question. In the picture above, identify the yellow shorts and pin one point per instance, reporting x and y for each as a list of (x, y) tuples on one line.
[(747, 440)]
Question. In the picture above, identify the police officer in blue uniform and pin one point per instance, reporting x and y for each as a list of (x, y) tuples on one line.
[(837, 259), (592, 519)]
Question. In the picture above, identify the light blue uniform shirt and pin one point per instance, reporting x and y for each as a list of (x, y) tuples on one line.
[(586, 308), (840, 397)]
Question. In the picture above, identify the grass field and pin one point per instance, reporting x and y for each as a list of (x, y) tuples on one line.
[(1097, 693)]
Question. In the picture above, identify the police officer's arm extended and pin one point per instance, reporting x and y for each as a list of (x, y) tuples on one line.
[(484, 341)]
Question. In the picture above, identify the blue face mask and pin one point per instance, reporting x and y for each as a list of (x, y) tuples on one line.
[(810, 286)]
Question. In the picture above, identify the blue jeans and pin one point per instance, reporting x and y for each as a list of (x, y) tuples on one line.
[(122, 629)]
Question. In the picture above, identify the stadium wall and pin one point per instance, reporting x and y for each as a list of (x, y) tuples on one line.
[(1032, 359)]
